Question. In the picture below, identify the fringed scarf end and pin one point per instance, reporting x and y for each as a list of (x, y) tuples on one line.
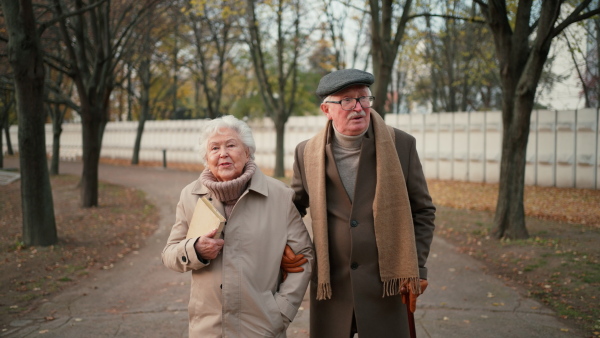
[(394, 286), (324, 291)]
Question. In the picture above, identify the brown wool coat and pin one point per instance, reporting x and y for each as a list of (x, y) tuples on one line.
[(355, 282), (238, 294)]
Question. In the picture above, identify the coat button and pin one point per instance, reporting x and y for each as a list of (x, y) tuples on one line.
[(354, 266), (354, 223), (210, 198), (183, 259), (221, 286)]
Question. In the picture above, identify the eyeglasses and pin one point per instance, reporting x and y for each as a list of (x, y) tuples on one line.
[(350, 103)]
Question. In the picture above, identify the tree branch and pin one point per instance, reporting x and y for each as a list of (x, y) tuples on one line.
[(430, 15), (49, 23), (575, 17)]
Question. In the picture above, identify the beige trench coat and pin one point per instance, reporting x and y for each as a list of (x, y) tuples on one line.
[(354, 269), (238, 294)]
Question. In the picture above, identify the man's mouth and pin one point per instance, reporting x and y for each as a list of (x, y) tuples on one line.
[(356, 116)]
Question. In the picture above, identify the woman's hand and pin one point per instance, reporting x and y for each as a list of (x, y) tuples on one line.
[(207, 246), (290, 262)]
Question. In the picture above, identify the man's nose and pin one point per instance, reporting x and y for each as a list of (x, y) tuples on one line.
[(357, 106)]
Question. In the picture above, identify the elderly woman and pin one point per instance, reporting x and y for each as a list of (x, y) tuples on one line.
[(237, 289)]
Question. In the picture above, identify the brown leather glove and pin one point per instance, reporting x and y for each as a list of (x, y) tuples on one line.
[(291, 262), (409, 297)]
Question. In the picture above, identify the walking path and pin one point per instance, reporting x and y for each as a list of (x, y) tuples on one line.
[(7, 177), (139, 297)]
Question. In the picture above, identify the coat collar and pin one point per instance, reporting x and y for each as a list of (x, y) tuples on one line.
[(258, 183)]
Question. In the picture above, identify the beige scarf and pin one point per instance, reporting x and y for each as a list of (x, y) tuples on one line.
[(394, 230)]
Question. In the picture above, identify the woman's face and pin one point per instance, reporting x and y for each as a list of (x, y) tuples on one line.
[(226, 155)]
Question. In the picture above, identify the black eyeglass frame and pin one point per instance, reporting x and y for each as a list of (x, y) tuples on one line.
[(371, 99)]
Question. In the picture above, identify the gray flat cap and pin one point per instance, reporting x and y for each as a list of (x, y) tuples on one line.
[(340, 79)]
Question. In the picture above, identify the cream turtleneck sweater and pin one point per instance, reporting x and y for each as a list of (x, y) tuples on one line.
[(346, 151)]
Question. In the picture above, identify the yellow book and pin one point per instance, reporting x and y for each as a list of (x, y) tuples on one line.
[(205, 219)]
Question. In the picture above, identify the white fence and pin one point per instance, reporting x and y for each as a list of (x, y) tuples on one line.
[(562, 149)]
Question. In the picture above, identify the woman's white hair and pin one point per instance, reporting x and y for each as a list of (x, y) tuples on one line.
[(230, 122)]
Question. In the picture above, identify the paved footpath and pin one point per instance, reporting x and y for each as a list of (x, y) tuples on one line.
[(139, 297)]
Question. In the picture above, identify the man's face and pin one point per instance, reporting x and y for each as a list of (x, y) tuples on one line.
[(348, 122)]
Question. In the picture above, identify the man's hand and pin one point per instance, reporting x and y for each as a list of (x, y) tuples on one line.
[(291, 262), (410, 297), (207, 246)]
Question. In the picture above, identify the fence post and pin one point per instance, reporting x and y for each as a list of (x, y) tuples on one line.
[(437, 160), (485, 147), (469, 146), (555, 148), (164, 151), (537, 147), (574, 172), (596, 149)]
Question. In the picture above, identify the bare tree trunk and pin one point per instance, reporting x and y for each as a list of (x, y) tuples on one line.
[(91, 156), (129, 94), (6, 126), (510, 216), (521, 59), (175, 53), (280, 102), (279, 150), (597, 58), (3, 119), (431, 54), (3, 123), (25, 55), (145, 75), (135, 160), (57, 120), (54, 164), (385, 46)]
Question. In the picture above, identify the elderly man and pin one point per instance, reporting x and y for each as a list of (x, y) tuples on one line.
[(372, 215)]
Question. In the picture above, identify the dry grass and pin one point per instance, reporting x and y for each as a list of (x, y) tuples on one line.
[(89, 240), (559, 264)]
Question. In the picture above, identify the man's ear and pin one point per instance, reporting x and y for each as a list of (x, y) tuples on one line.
[(325, 109)]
